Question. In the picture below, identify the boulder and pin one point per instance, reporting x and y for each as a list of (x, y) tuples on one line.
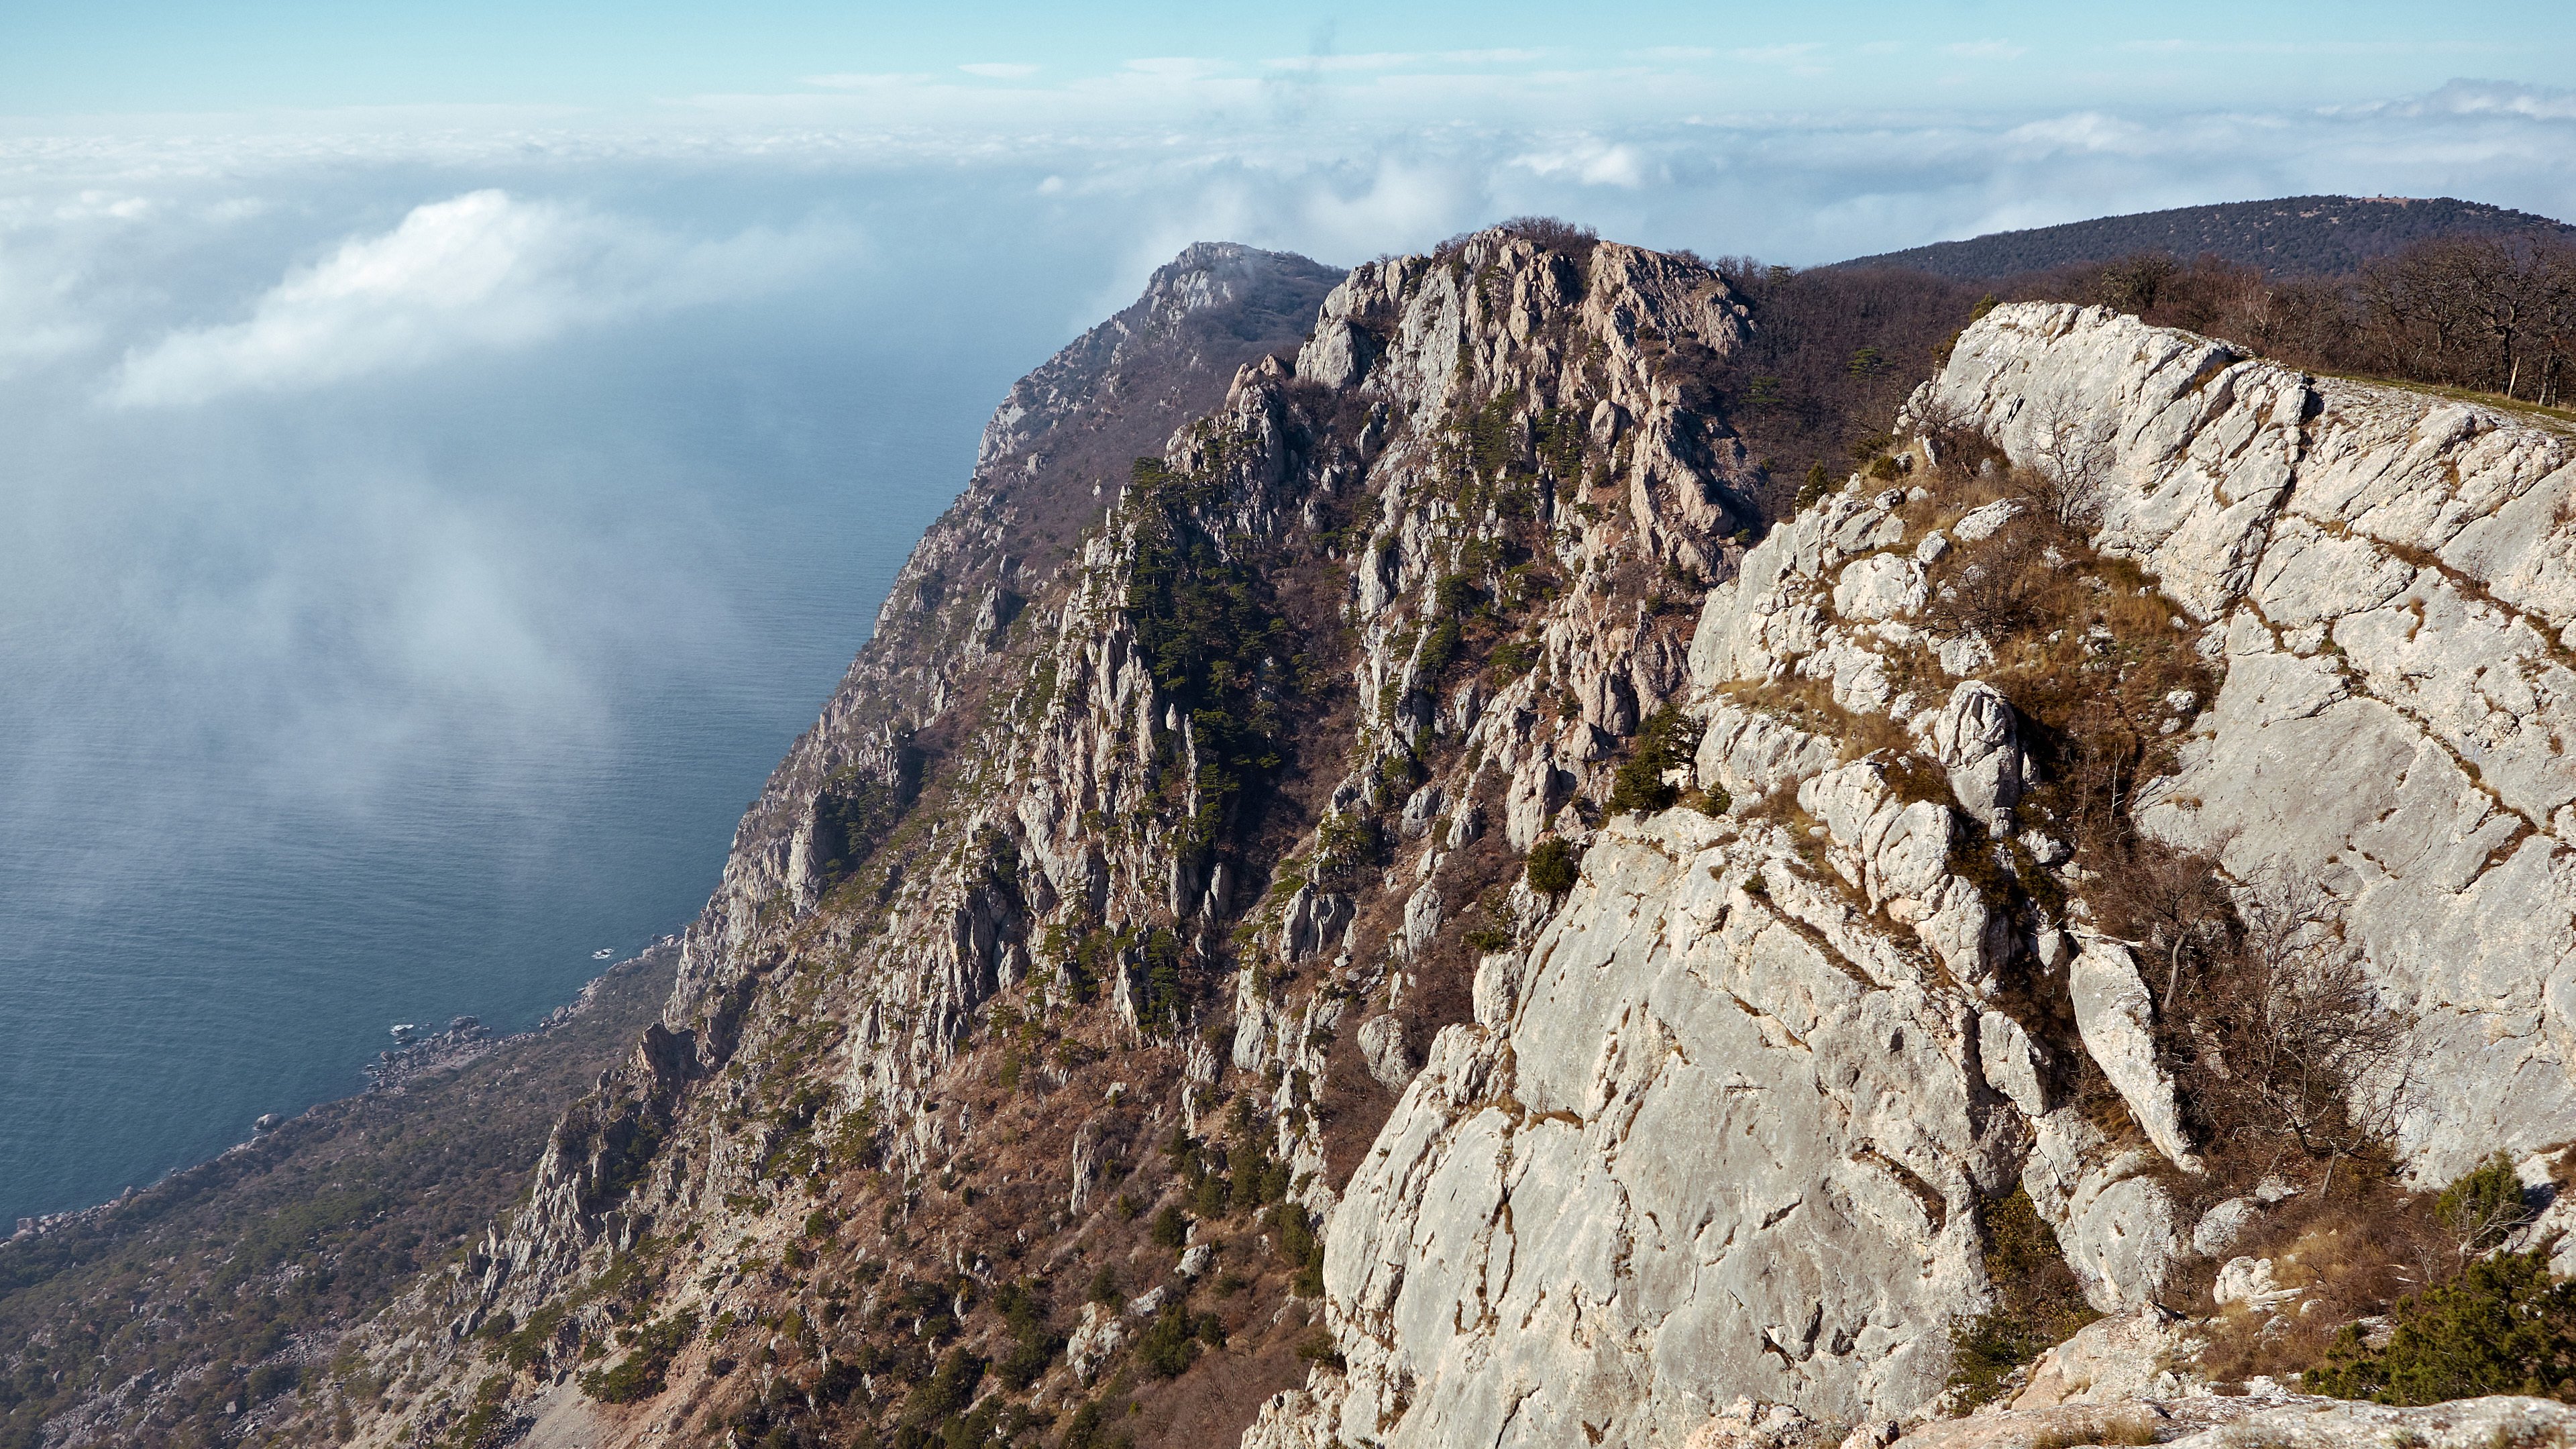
[(2115, 1015), (1093, 1340), (1382, 1048), (2143, 1354)]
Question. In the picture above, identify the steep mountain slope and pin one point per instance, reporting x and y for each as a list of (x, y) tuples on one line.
[(1729, 1126), (2388, 580), (1434, 857), (1194, 818), (2293, 236)]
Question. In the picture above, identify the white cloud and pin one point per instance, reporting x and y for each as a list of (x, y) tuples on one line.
[(1590, 161), (2495, 98), (478, 272), (1987, 49), (1795, 56), (999, 69), (858, 80), (1174, 67), (2414, 45)]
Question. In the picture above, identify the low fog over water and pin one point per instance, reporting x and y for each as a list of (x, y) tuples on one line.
[(417, 552)]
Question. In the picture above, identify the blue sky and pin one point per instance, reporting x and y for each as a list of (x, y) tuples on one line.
[(654, 57)]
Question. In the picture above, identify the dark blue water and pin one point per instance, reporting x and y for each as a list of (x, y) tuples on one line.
[(321, 712)]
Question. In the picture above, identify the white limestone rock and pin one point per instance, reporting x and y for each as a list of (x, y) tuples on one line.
[(2012, 1062), (2223, 1224), (2143, 1354), (1976, 738), (2264, 1415), (1749, 754), (2115, 1225), (2419, 767), (2116, 1017), (1336, 357), (1382, 1047), (2252, 1282), (1099, 1335), (1881, 586), (1544, 1187)]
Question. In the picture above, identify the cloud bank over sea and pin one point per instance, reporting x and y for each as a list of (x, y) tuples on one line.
[(377, 479), (384, 363)]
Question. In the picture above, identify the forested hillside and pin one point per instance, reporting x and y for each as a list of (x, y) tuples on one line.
[(2294, 236)]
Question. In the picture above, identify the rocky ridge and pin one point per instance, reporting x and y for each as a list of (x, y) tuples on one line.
[(1726, 1127), (1158, 811), (1208, 834)]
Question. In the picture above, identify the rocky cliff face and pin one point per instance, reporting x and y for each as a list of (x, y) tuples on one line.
[(1419, 811), (1726, 1126), (2388, 580)]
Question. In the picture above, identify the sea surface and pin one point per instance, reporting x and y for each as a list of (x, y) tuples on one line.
[(399, 700)]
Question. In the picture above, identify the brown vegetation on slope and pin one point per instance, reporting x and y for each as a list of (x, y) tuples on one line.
[(206, 1309)]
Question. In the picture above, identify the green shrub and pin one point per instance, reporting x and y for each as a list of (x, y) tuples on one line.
[(2038, 1302), (1345, 847), (1302, 1247), (1165, 1004), (2501, 1327), (1034, 1345), (1088, 1428), (2483, 1208), (1171, 1230), (949, 1389), (1213, 643), (1487, 934), (1551, 866), (1667, 741), (1105, 1289), (645, 1370), (1510, 660), (482, 1423), (1319, 1347), (1170, 1345), (525, 1344), (1027, 1362), (1210, 1197), (272, 1379), (1817, 485)]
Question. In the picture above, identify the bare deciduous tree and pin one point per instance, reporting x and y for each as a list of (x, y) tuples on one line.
[(2072, 466), (2306, 1050), (2494, 312), (2175, 907)]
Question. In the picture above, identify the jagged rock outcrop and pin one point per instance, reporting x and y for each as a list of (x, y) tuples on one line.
[(2389, 578), (1302, 828), (2380, 577)]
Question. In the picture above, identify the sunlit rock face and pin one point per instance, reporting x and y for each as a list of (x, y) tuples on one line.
[(1721, 1127)]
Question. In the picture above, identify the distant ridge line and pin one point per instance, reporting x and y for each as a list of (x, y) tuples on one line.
[(2290, 235)]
